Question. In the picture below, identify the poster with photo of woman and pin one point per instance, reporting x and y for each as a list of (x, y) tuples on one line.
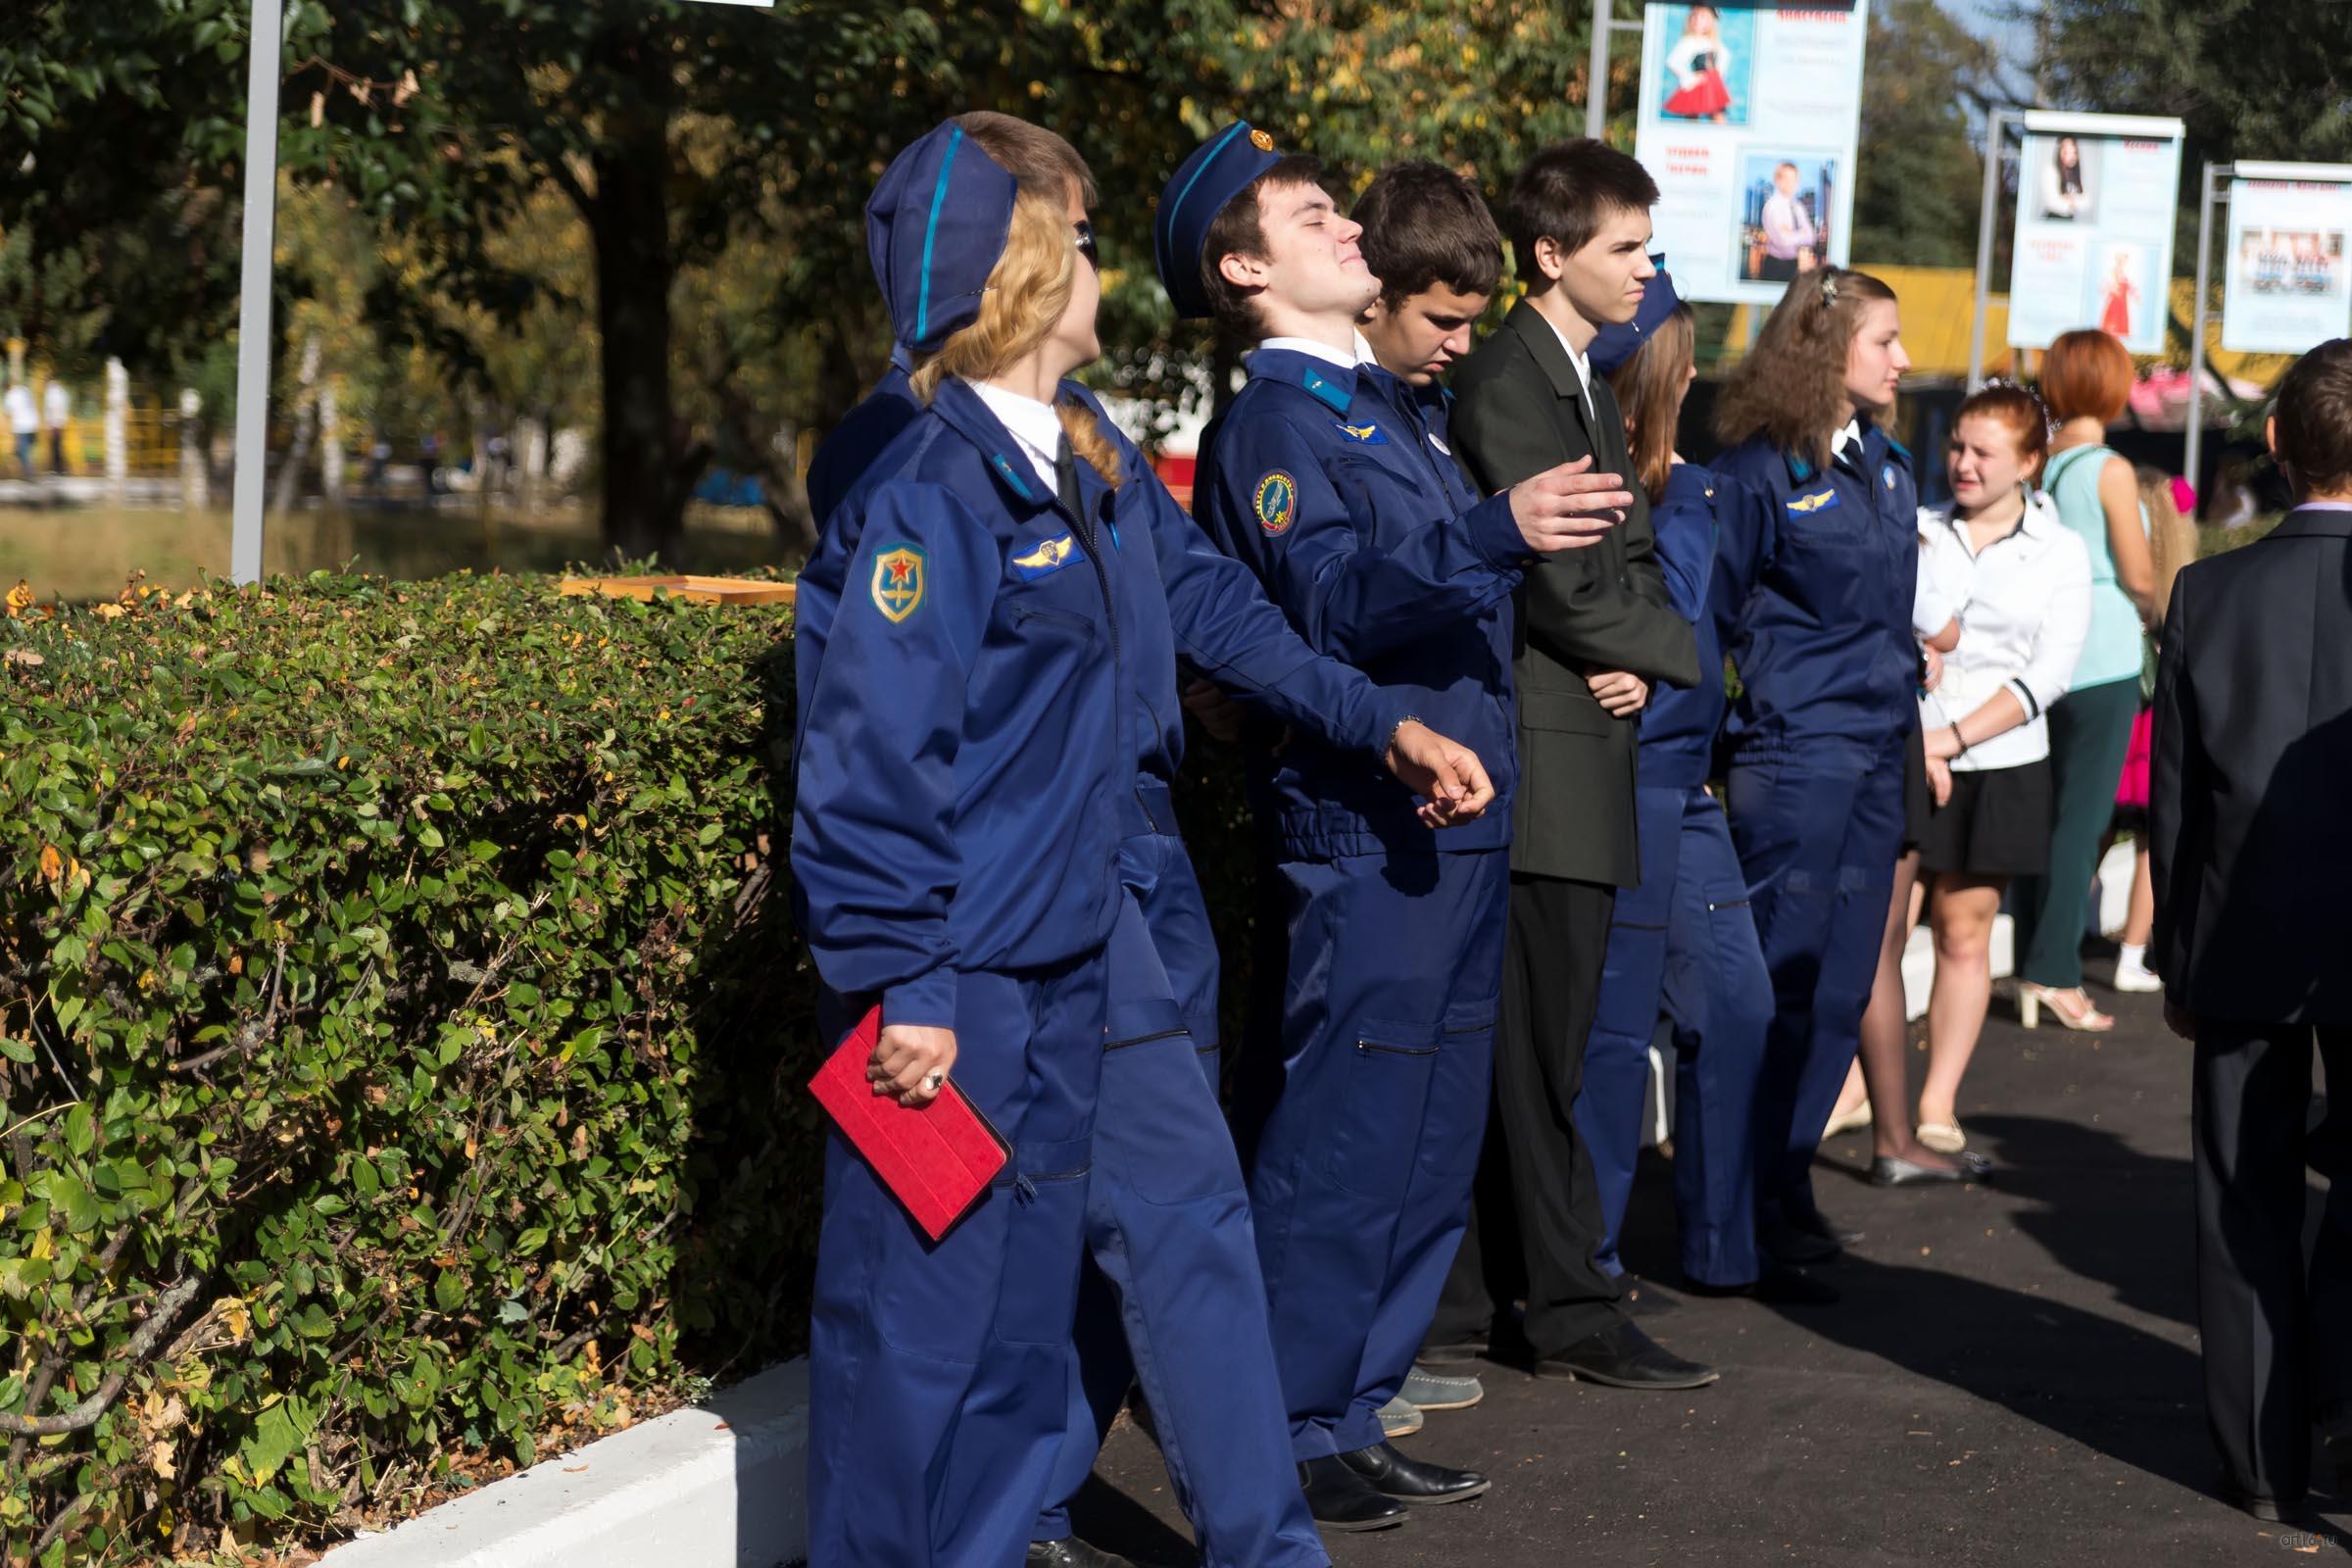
[(2070, 180), (2097, 204), (1707, 65), (1750, 121)]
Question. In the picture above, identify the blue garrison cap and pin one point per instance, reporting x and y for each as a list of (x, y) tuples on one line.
[(1221, 168), (1619, 342), (934, 230)]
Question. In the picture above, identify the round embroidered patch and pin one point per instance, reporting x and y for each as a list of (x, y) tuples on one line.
[(1887, 474), (1277, 502)]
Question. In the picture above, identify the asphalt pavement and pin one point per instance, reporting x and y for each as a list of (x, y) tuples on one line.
[(2012, 1376)]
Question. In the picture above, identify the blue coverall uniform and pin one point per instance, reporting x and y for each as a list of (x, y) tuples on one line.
[(1333, 483), (1167, 1214), (1815, 600), (959, 773), (1684, 939)]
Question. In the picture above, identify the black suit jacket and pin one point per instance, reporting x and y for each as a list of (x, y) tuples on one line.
[(2250, 800), (1519, 409)]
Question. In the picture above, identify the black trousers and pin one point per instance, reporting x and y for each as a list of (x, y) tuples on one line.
[(2277, 1327), (1536, 1217)]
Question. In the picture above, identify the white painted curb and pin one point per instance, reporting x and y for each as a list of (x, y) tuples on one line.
[(719, 1485)]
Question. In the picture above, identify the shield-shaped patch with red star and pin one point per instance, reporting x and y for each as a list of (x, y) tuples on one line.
[(899, 582)]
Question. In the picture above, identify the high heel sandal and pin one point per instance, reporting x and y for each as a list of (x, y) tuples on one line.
[(2031, 999)]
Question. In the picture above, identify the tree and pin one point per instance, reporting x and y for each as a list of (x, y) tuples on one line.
[(2251, 78), (1921, 164)]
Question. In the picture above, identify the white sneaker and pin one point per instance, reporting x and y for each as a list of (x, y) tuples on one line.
[(2132, 971)]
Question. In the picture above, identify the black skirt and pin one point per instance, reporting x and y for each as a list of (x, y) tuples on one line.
[(1918, 798), (1997, 823)]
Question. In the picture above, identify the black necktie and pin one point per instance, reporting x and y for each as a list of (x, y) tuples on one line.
[(1065, 483)]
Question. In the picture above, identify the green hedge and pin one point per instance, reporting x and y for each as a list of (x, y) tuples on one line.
[(401, 1040)]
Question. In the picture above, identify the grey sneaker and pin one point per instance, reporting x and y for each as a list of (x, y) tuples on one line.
[(1399, 1418), (1441, 1391)]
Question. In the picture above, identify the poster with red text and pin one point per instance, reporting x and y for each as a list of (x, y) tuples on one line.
[(1748, 119)]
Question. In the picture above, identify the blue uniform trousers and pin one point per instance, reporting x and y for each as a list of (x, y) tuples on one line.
[(1818, 825), (1173, 1294), (1361, 1161), (939, 1372), (1683, 942)]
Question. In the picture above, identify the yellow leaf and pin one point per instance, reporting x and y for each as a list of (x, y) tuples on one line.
[(159, 1458), (53, 864)]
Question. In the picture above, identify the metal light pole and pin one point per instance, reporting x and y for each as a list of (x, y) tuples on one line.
[(2207, 195), (253, 295), (1596, 72), (1996, 124)]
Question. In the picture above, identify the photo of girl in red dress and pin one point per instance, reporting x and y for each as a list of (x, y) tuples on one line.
[(1698, 61)]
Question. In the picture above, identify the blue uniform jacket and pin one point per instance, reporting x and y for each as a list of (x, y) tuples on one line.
[(858, 439), (1813, 592), (1679, 725), (1190, 602), (1344, 501), (958, 761)]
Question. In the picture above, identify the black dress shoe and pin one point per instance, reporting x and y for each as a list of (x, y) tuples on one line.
[(2270, 1510), (1815, 1223), (1341, 1499), (1392, 1475), (1072, 1552), (1780, 1286), (1790, 1243), (1622, 1357)]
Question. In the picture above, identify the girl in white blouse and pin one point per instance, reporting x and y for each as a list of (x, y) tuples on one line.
[(2019, 581)]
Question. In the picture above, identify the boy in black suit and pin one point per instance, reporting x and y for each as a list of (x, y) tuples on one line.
[(1593, 636), (2252, 848)]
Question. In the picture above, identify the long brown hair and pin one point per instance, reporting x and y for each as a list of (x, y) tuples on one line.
[(2171, 533), (1791, 385), (1649, 388), (1028, 289)]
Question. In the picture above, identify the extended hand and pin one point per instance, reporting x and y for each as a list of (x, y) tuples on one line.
[(1454, 785), (1218, 714), (1939, 780), (1569, 507), (912, 1061), (1620, 692)]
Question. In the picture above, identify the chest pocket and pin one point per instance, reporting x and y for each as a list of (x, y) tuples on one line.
[(1385, 498), (1822, 516)]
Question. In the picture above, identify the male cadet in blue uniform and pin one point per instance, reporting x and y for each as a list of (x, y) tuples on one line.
[(1429, 238), (1595, 631), (1362, 1151), (1167, 1213)]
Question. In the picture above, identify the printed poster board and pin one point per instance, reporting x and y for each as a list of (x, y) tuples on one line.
[(2285, 287), (2098, 200), (1749, 117)]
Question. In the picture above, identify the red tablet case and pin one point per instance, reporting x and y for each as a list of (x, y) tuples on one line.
[(937, 1159)]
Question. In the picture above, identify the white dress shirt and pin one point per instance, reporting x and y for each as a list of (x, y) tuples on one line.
[(1324, 351), (2023, 602), (1576, 357), (1035, 428)]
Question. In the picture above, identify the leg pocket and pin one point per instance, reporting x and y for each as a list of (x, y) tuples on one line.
[(1157, 1129), (1377, 1133), (1045, 1243)]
